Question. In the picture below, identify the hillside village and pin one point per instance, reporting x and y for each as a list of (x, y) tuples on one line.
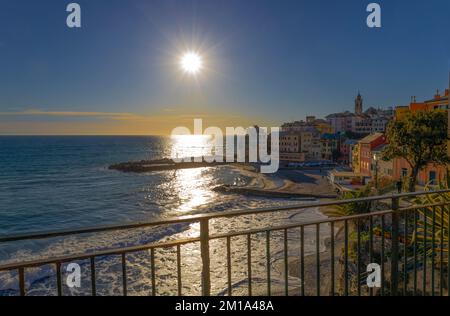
[(354, 141)]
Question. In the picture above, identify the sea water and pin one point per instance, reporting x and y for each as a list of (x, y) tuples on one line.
[(51, 183)]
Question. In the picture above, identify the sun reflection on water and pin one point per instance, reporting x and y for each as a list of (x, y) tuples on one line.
[(192, 185), (185, 146), (192, 188)]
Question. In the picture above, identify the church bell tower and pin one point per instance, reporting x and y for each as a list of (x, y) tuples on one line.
[(359, 104)]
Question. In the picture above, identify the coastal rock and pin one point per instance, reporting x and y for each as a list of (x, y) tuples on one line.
[(160, 165)]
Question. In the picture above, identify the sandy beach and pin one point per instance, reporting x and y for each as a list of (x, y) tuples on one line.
[(284, 184), (305, 183), (325, 262)]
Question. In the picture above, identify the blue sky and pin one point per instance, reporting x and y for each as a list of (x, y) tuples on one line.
[(265, 60)]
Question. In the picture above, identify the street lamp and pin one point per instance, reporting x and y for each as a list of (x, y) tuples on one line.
[(375, 158)]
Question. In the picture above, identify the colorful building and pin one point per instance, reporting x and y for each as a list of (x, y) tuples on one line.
[(328, 146), (322, 126), (380, 167), (401, 112), (432, 173), (371, 121), (356, 158), (290, 147), (439, 102), (346, 150), (366, 147), (289, 143)]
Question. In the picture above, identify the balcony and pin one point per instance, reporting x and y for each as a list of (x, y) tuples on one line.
[(336, 265)]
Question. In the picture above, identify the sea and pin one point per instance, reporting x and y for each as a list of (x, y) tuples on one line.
[(63, 182)]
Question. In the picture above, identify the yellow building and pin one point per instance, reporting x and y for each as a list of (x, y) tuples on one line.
[(401, 112), (439, 102), (324, 127), (290, 148), (356, 155)]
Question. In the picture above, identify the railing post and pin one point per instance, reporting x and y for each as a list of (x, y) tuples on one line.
[(204, 248), (395, 248)]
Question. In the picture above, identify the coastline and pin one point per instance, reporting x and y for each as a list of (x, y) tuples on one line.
[(288, 183), (325, 262), (284, 184), (281, 182)]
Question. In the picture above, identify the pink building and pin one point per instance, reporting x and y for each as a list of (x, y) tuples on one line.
[(366, 146)]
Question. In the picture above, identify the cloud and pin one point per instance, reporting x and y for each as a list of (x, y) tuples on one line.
[(68, 114), (111, 123)]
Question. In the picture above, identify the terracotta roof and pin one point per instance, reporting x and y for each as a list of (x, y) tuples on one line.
[(371, 138)]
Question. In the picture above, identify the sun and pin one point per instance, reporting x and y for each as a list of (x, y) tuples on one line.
[(191, 63)]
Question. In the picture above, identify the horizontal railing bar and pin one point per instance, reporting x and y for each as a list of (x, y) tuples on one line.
[(416, 207), (298, 225), (120, 251), (112, 252), (198, 217), (21, 266), (97, 229)]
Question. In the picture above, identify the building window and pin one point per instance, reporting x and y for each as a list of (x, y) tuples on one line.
[(432, 177), (404, 173)]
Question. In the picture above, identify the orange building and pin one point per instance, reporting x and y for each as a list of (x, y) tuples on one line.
[(439, 102), (432, 173)]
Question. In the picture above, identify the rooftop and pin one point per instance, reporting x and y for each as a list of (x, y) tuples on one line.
[(371, 138), (329, 136), (351, 142), (379, 148)]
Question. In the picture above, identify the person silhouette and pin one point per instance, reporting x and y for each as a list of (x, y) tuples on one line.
[(399, 186)]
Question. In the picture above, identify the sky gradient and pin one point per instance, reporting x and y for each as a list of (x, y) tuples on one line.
[(265, 62)]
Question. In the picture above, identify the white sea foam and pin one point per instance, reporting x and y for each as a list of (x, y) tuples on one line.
[(40, 281)]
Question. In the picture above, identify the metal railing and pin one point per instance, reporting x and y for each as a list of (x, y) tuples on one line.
[(364, 238)]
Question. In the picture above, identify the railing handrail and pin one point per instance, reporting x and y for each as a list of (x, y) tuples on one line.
[(168, 244), (204, 216), (395, 212), (101, 253)]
